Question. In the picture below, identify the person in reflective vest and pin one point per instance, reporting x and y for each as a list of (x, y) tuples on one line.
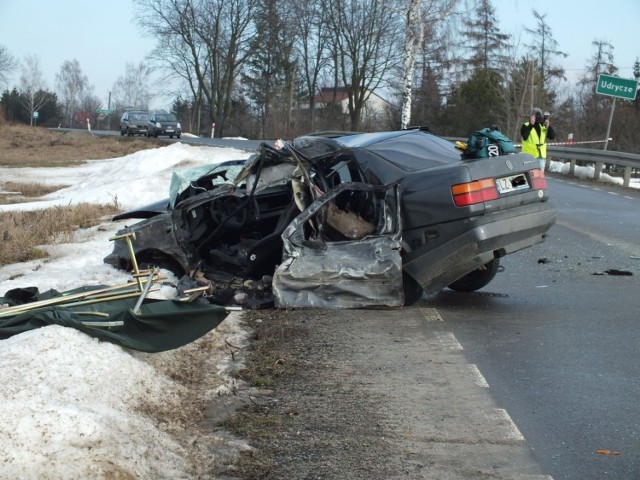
[(535, 133)]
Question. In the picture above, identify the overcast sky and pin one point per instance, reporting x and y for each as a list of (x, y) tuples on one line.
[(103, 37)]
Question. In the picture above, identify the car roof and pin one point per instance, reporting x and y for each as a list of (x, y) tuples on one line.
[(410, 149)]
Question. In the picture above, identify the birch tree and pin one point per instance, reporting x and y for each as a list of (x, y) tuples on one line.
[(131, 90), (73, 87), (33, 92), (421, 16), (414, 35)]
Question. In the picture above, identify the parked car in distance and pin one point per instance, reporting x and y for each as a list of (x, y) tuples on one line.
[(345, 220), (163, 124), (134, 122)]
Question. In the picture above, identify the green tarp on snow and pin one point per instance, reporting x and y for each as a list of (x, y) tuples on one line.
[(157, 326)]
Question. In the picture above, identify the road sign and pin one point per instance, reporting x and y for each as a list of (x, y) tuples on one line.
[(103, 110), (617, 87), (36, 114)]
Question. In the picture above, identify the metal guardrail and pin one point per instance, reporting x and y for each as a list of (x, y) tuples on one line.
[(629, 161)]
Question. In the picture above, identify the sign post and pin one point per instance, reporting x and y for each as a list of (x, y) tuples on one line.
[(617, 88)]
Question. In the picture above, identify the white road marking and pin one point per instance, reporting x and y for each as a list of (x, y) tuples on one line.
[(501, 415), (448, 341), (478, 378), (431, 314)]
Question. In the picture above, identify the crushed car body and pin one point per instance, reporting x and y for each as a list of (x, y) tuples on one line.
[(343, 221)]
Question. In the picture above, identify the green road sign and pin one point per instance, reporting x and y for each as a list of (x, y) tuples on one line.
[(103, 110), (617, 87)]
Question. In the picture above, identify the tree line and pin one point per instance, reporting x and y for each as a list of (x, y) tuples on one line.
[(281, 68)]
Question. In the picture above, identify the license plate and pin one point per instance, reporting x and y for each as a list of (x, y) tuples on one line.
[(512, 183), (169, 129)]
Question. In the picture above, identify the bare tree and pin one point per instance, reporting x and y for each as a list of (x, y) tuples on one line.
[(268, 79), (215, 36), (484, 39), (594, 109), (7, 64), (33, 88), (601, 61), (225, 28), (73, 86), (132, 88), (364, 35), (545, 47), (178, 53), (311, 47)]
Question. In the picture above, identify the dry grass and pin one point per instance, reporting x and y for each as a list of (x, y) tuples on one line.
[(15, 192), (23, 234), (268, 363), (24, 146)]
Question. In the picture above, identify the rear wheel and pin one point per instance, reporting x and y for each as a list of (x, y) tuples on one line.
[(477, 279)]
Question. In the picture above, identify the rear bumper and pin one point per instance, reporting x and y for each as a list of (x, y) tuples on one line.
[(487, 237)]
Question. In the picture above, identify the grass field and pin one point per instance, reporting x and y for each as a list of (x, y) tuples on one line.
[(22, 234)]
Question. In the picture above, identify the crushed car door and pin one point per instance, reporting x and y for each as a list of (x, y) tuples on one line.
[(343, 251)]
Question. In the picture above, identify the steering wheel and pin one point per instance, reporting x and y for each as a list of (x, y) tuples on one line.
[(229, 210)]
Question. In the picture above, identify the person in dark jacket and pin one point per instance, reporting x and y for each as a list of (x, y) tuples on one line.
[(535, 133)]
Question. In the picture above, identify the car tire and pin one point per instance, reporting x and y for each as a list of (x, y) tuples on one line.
[(155, 135), (177, 136), (121, 133), (412, 289), (477, 279)]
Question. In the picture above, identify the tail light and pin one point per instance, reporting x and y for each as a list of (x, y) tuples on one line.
[(478, 191), (538, 181)]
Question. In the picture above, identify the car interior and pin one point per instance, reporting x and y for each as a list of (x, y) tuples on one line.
[(235, 221)]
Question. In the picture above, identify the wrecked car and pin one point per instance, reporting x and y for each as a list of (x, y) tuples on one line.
[(344, 220)]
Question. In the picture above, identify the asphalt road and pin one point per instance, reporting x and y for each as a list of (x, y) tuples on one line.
[(556, 335), (214, 142)]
